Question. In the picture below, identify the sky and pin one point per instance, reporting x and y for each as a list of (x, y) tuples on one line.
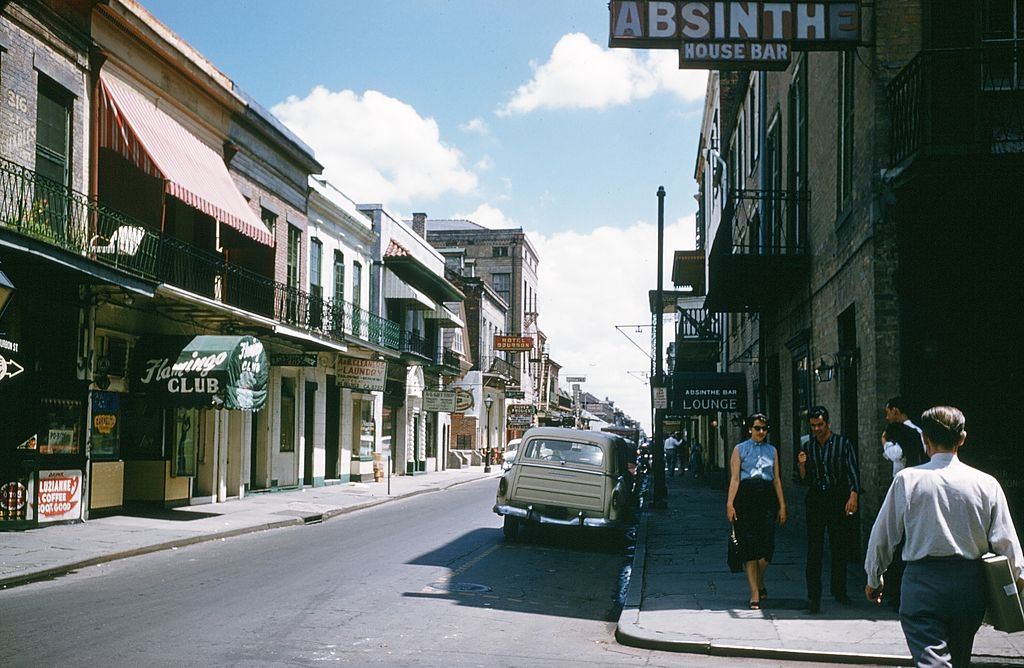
[(509, 114)]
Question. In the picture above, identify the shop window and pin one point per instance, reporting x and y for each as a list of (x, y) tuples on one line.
[(142, 437), (61, 432), (105, 426), (287, 415), (186, 430)]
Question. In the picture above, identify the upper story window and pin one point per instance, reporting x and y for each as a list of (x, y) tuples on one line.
[(796, 160), (269, 218), (294, 244), (357, 284), (316, 252), (339, 276), (499, 251), (502, 284), (53, 132), (1003, 37), (753, 118)]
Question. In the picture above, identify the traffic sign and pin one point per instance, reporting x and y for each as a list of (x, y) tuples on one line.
[(9, 368)]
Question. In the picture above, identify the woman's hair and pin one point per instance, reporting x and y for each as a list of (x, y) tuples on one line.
[(943, 426), (754, 417)]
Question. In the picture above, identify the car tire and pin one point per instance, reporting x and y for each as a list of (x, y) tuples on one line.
[(510, 528)]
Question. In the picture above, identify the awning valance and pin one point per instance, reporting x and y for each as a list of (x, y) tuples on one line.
[(220, 371), (396, 288), (409, 269), (445, 317), (160, 146)]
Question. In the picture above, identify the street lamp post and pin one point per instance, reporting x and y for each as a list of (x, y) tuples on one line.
[(660, 499), (488, 402)]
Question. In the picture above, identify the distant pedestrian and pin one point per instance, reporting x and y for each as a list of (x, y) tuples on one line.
[(755, 503), (903, 446), (828, 464), (671, 453), (949, 514), (696, 458)]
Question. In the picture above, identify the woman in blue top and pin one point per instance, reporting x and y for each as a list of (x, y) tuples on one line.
[(755, 503)]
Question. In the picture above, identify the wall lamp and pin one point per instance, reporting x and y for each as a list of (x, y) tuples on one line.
[(825, 370)]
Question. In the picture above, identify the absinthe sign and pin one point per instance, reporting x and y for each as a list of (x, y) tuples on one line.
[(734, 35), (704, 393)]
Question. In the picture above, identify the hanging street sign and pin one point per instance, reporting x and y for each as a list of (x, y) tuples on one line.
[(9, 368), (513, 343), (439, 401), (734, 35), (575, 379), (515, 394)]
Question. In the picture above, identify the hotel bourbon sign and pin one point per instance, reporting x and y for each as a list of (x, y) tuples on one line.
[(734, 35)]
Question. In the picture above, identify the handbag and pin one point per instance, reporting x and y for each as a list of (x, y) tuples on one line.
[(1004, 605), (733, 558)]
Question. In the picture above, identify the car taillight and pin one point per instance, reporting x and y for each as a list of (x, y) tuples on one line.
[(503, 487), (616, 499)]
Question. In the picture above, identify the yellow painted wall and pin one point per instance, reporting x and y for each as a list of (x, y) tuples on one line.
[(107, 485)]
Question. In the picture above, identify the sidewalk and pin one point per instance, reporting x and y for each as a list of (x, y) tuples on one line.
[(683, 598), (56, 550)]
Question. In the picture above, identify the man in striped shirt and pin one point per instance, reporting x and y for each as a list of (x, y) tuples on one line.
[(828, 465)]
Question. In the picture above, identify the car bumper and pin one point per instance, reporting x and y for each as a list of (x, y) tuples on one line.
[(535, 517)]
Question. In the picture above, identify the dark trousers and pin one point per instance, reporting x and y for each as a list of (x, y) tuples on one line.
[(894, 577), (941, 608), (826, 513), (672, 460)]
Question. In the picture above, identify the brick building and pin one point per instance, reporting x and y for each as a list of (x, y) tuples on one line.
[(857, 215)]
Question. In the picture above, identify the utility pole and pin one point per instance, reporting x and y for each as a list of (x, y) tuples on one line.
[(660, 489)]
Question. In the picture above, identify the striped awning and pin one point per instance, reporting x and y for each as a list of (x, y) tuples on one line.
[(445, 317), (161, 147), (397, 289)]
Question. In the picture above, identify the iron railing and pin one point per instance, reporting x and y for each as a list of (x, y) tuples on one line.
[(44, 210), (418, 345), (962, 101), (700, 324), (767, 222), (450, 358)]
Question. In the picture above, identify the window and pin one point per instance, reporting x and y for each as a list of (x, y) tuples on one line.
[(499, 251), (357, 284), (797, 158), (269, 218), (1003, 39), (753, 122), (316, 290), (844, 147), (339, 276), (53, 132), (292, 273), (773, 240), (502, 284)]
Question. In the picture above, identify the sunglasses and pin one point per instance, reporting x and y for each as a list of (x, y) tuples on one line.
[(757, 428)]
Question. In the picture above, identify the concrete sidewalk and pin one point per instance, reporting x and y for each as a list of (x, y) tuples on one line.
[(55, 550), (683, 598)]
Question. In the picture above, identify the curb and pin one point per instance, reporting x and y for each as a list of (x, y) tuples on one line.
[(18, 580)]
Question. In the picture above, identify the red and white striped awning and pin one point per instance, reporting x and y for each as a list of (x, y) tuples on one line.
[(160, 146)]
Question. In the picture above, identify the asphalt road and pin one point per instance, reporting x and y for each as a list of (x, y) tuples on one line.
[(425, 581)]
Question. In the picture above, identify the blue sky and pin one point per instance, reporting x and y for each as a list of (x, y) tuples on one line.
[(508, 113)]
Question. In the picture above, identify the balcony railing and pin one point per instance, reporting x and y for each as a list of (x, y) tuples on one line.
[(415, 344), (965, 101), (700, 324), (41, 209), (766, 222)]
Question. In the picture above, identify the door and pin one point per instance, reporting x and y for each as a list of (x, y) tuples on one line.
[(308, 427), (332, 433), (255, 479)]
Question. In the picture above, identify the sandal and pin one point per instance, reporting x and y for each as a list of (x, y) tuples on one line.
[(763, 592), (755, 605)]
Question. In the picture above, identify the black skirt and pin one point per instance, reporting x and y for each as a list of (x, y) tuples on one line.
[(756, 513)]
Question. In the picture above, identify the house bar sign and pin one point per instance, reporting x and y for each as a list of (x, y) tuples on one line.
[(516, 344), (439, 401), (361, 374), (735, 35)]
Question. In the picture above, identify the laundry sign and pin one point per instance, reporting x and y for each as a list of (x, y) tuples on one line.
[(361, 374), (59, 496)]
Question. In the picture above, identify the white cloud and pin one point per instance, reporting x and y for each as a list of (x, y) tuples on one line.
[(476, 126), (485, 163), (591, 282), (376, 147), (580, 74), (488, 216)]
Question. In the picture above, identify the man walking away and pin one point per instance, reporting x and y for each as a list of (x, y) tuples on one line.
[(697, 458), (902, 445), (828, 465), (950, 515), (671, 454)]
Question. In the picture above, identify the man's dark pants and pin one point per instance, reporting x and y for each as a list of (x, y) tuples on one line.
[(941, 608), (826, 513)]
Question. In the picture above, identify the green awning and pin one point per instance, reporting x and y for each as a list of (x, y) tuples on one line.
[(219, 371)]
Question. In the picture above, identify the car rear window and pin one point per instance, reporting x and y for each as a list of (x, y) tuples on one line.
[(567, 452)]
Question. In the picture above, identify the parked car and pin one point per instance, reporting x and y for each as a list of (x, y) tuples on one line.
[(509, 455), (567, 477)]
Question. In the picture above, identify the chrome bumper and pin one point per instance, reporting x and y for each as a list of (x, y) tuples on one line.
[(533, 516)]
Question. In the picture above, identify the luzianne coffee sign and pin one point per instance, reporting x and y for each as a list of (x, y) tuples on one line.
[(734, 35)]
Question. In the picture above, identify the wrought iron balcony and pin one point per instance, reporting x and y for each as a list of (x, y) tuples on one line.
[(699, 324), (958, 102), (759, 250), (415, 344), (43, 210), (449, 362)]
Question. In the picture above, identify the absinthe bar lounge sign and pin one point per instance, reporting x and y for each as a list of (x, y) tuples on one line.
[(734, 35), (704, 393)]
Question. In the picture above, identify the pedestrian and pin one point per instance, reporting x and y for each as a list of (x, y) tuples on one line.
[(828, 465), (696, 457), (902, 445), (684, 453), (950, 514), (671, 453), (755, 503)]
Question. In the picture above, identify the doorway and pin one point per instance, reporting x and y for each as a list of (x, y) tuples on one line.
[(332, 432), (308, 429)]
